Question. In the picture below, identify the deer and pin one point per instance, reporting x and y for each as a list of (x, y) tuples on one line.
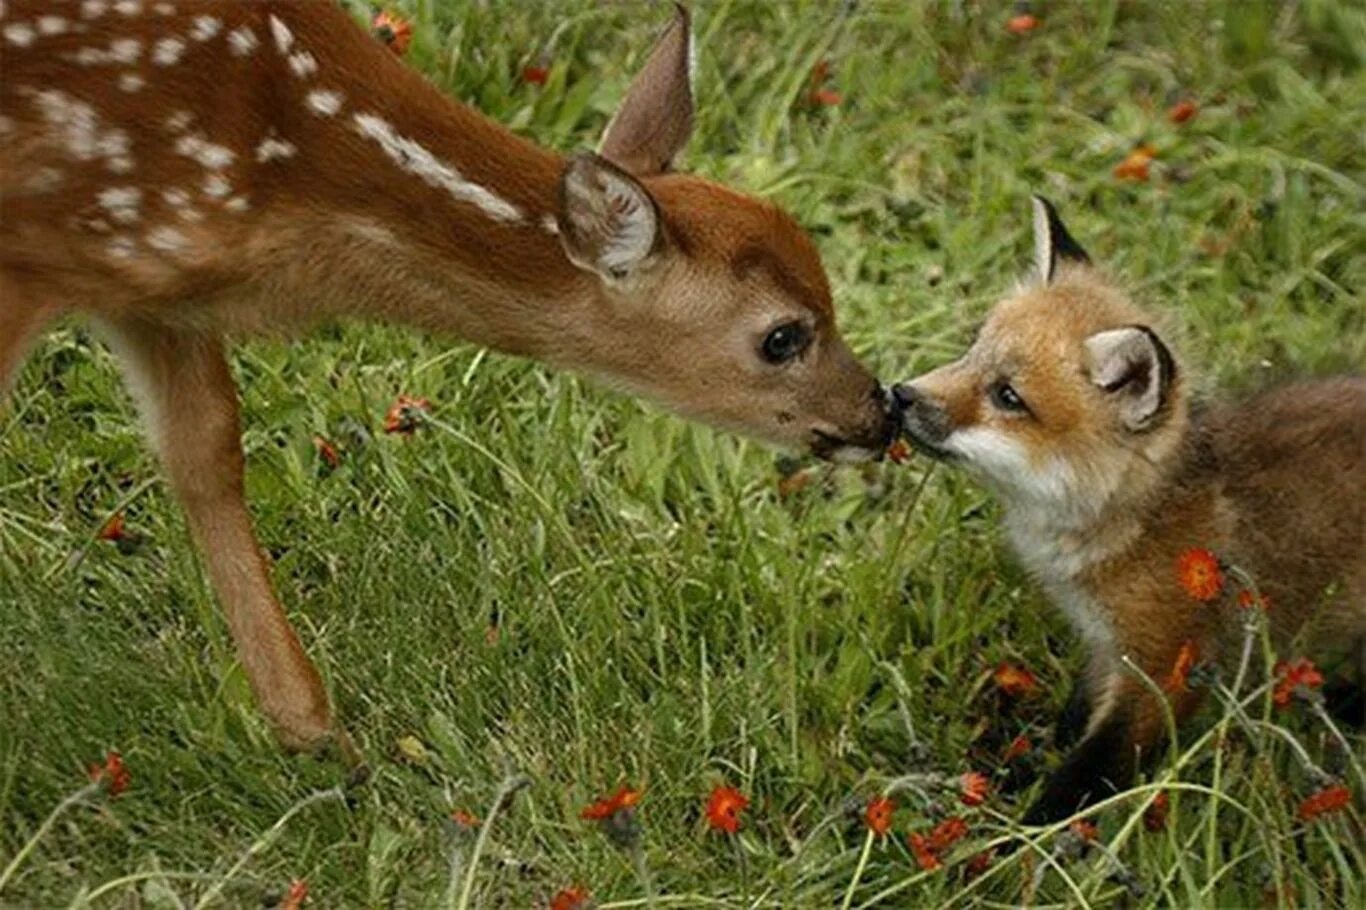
[(184, 174)]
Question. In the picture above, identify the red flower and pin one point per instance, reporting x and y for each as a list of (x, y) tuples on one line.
[(899, 452), (1329, 799), (326, 451), (821, 96), (826, 97), (405, 415), (1293, 675), (878, 815), (724, 807), (112, 530), (467, 820), (1155, 816), (1182, 111), (1019, 747), (623, 799), (575, 897), (296, 895), (1180, 672), (1248, 600), (1135, 165), (975, 787), (923, 851), (1085, 830), (535, 75), (395, 31), (1197, 569), (947, 833), (1022, 24), (112, 773), (1015, 680), (978, 864)]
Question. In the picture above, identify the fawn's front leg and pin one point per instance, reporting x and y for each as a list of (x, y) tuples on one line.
[(185, 390)]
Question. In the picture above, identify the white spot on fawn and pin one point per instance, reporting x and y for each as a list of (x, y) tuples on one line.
[(94, 9), (179, 121), (236, 204), (550, 225), (216, 186), (214, 157), (168, 51), (125, 50), (121, 247), (79, 128), (176, 198), (6, 125), (20, 34), (242, 41), (272, 148), (303, 64), (284, 38), (128, 7), (164, 9), (167, 240), (412, 157), (324, 103), (121, 202), (51, 25), (44, 180), (205, 27), (131, 82)]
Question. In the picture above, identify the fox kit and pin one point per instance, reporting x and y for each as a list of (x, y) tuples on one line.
[(1073, 410)]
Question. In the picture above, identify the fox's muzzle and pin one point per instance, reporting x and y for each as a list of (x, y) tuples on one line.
[(922, 419)]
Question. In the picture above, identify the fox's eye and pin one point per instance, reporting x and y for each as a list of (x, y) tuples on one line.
[(1004, 396), (785, 342)]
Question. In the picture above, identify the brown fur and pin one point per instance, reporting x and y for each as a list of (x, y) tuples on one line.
[(1101, 513), (344, 226)]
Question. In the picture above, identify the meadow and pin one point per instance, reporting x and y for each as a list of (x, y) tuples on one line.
[(552, 586)]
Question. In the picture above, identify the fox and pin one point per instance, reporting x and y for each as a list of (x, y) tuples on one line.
[(1072, 409)]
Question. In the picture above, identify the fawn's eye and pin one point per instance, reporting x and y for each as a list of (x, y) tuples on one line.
[(1004, 396), (785, 342)]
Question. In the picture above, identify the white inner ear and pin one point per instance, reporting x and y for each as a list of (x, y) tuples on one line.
[(1115, 354), (1043, 242), (612, 217)]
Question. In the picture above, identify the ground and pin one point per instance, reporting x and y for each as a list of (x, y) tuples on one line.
[(548, 579)]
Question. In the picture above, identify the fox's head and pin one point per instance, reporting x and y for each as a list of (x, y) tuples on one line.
[(1067, 401)]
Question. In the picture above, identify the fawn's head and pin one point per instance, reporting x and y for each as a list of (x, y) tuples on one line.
[(1067, 397), (711, 302)]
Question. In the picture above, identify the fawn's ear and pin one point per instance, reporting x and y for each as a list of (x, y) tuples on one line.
[(655, 119), (1135, 369), (609, 223), (1052, 243)]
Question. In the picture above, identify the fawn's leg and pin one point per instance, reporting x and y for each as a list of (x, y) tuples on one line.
[(20, 321), (185, 390)]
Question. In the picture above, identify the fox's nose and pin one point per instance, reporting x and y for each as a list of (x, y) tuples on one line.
[(905, 396)]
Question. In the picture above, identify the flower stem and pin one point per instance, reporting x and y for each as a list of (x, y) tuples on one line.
[(858, 871), (643, 874), (1346, 747), (80, 795), (509, 786)]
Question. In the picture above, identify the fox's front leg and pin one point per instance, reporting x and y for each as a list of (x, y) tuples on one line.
[(183, 385)]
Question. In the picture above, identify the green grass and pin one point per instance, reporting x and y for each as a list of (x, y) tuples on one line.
[(665, 618)]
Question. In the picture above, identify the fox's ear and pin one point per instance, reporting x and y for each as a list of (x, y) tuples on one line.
[(1136, 369), (656, 118), (1052, 243), (609, 223)]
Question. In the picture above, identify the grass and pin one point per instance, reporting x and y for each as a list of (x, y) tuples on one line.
[(663, 616)]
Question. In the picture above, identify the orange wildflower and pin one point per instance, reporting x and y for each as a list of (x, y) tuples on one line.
[(1325, 801), (947, 833), (1022, 24), (405, 415), (975, 786), (899, 452), (826, 97), (1085, 830), (112, 773), (1135, 165), (979, 863), (724, 807), (1180, 672), (1155, 816), (1182, 111), (535, 75), (878, 815), (623, 799), (1015, 680), (575, 897), (1247, 600), (112, 530), (925, 855), (1293, 675), (1019, 747), (296, 895), (1197, 569), (392, 30), (466, 820), (326, 451), (790, 484)]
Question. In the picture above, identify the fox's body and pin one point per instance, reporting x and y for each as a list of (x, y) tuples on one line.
[(178, 172), (1075, 412)]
